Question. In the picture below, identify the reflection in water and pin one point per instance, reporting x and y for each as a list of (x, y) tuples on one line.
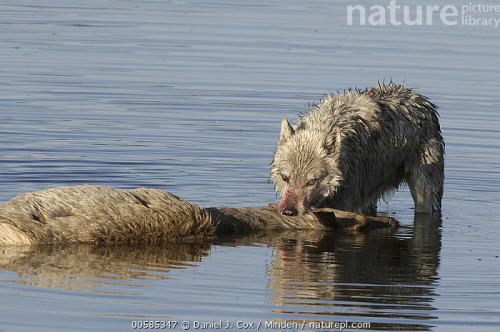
[(379, 277), (386, 280), (87, 267)]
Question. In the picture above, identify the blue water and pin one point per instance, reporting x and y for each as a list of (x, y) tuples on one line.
[(187, 97)]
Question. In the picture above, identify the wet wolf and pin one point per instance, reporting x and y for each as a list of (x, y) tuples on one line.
[(352, 148)]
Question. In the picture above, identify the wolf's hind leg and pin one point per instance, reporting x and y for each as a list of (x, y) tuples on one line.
[(426, 186), (422, 192), (425, 176)]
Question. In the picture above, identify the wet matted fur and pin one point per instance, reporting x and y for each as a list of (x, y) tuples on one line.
[(90, 214), (352, 148)]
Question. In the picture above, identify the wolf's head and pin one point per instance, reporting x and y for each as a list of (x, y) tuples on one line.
[(305, 167)]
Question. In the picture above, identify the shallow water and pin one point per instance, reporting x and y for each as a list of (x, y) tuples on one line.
[(187, 97)]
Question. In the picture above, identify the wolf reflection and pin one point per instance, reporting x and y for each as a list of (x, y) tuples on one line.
[(360, 276)]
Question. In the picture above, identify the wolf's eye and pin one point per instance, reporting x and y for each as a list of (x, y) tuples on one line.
[(311, 182), (285, 178)]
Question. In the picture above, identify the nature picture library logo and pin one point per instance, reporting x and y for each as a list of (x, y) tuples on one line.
[(470, 14)]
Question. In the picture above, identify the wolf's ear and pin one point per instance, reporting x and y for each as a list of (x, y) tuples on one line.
[(286, 129)]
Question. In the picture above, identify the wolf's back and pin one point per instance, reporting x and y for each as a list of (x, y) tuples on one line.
[(371, 107)]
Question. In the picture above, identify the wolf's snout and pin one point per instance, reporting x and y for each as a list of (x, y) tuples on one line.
[(290, 204), (290, 211)]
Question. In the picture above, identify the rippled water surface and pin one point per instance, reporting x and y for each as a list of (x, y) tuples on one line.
[(187, 97)]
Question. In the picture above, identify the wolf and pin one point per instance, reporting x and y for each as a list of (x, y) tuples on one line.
[(353, 148)]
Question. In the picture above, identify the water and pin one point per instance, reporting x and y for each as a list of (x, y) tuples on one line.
[(187, 97)]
